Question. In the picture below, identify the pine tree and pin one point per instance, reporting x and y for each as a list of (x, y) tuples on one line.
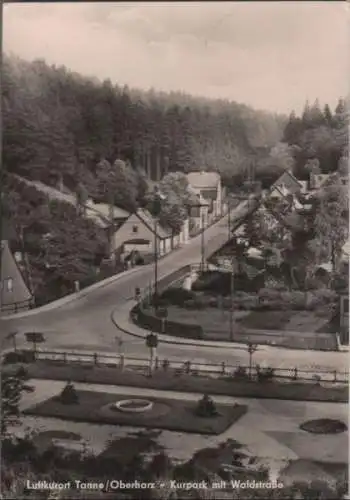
[(327, 113)]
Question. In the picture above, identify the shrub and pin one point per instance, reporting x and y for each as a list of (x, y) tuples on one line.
[(186, 330), (206, 407), (22, 373), (147, 319), (265, 374), (69, 395), (325, 296), (190, 304), (240, 373), (24, 356), (177, 296), (12, 357)]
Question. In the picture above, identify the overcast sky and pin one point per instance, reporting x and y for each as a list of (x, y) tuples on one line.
[(270, 55)]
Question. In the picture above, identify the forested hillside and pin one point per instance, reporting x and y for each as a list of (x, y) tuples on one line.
[(319, 139), (59, 125)]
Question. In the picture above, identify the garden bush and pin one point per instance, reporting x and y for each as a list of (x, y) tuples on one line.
[(206, 407), (69, 395), (265, 374), (22, 373), (267, 294), (240, 373), (177, 296), (24, 356), (325, 295), (190, 304), (147, 319), (12, 357)]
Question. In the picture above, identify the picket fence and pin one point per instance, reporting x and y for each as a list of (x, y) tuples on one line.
[(194, 368)]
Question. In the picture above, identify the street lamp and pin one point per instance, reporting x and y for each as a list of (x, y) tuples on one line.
[(251, 348)]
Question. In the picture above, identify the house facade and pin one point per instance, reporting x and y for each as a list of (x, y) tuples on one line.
[(14, 293), (198, 211), (208, 185), (143, 233)]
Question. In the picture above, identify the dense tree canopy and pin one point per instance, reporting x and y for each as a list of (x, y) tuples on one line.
[(318, 135), (60, 126)]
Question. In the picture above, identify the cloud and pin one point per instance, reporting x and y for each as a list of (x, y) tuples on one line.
[(270, 55)]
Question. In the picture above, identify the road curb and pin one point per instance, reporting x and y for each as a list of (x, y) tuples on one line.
[(167, 339)]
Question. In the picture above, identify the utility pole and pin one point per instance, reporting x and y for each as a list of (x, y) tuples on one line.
[(155, 262), (231, 299), (202, 243)]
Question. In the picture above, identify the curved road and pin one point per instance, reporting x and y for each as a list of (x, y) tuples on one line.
[(85, 323)]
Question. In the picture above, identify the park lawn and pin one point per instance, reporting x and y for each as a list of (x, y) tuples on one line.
[(172, 415), (172, 381), (289, 329), (267, 320)]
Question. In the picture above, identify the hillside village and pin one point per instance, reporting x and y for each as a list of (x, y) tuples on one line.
[(174, 269), (120, 216)]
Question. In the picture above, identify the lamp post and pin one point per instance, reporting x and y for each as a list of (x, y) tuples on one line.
[(251, 348)]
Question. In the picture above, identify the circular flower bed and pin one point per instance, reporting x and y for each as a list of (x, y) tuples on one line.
[(134, 405), (324, 426)]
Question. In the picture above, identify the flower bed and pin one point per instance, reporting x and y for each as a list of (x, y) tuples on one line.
[(181, 416)]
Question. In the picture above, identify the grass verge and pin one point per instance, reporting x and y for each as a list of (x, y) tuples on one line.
[(172, 381)]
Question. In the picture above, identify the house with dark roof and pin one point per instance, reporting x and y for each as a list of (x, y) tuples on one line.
[(286, 184), (208, 185), (14, 293)]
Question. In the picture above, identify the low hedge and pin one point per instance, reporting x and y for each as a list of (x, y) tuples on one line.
[(24, 356), (147, 319)]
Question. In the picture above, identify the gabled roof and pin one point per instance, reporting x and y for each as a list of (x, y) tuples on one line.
[(152, 224), (9, 269), (287, 179), (319, 179), (204, 180)]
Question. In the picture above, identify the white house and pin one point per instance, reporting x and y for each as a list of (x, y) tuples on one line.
[(143, 233), (198, 210), (208, 185)]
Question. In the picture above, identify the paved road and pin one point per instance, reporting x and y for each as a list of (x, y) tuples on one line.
[(85, 323)]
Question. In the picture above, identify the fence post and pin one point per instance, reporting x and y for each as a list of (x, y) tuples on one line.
[(295, 376), (156, 363), (223, 368), (64, 357), (95, 358), (187, 367), (335, 376)]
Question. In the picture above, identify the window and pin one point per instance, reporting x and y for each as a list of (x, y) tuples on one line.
[(7, 285), (135, 229)]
